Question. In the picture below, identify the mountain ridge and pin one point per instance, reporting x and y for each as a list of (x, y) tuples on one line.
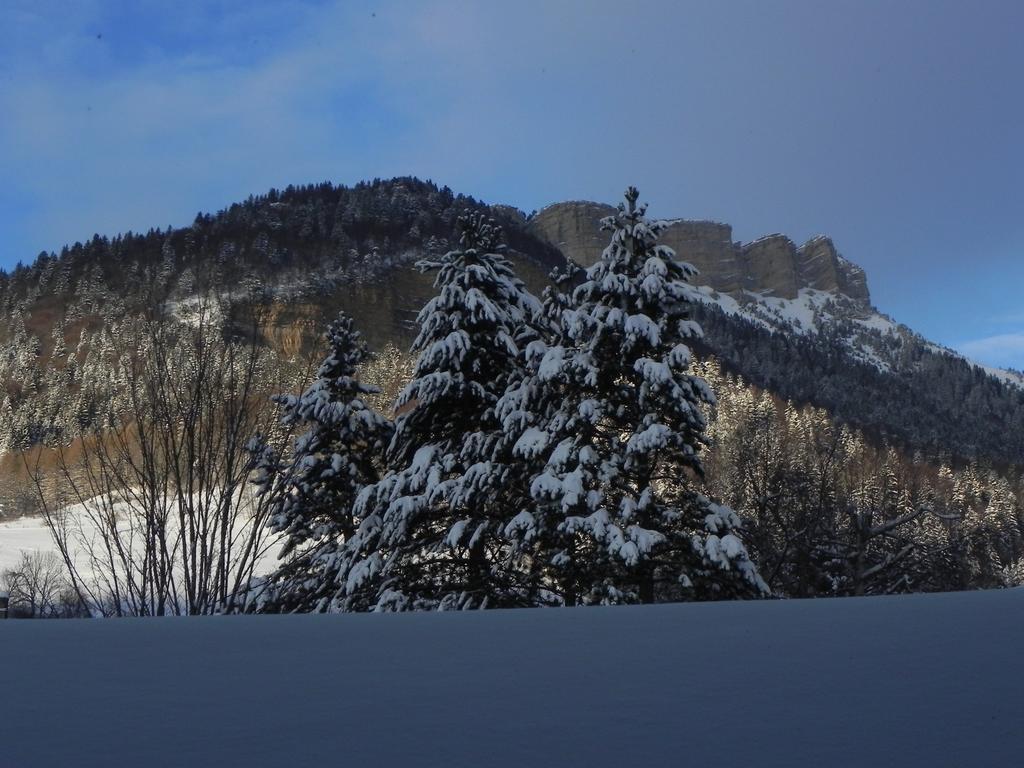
[(772, 263), (796, 321)]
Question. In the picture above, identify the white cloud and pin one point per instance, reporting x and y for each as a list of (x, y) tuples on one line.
[(152, 143), (1005, 350), (526, 104), (1013, 318)]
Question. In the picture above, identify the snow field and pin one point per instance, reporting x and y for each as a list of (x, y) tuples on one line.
[(923, 680)]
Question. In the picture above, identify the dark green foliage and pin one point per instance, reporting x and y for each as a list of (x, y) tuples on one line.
[(928, 400)]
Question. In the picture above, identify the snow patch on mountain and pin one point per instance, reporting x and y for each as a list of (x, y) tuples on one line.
[(868, 335), (813, 312), (1013, 378)]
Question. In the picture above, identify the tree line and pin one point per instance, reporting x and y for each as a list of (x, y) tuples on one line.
[(544, 452), (565, 450)]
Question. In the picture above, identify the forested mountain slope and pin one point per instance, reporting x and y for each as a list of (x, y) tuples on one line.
[(841, 438), (794, 320), (798, 321)]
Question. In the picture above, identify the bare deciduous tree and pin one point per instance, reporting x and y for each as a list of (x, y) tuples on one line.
[(38, 588), (156, 516)]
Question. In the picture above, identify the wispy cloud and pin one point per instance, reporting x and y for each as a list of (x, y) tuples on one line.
[(125, 114), (99, 145), (1015, 317), (125, 124), (1005, 350)]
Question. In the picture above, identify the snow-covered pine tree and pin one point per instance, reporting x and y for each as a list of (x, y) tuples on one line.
[(432, 529), (615, 426), (314, 490), (527, 405)]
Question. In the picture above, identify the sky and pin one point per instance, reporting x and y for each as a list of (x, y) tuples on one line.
[(895, 128)]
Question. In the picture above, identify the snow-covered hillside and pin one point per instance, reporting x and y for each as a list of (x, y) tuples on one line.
[(26, 534), (868, 335), (31, 534), (907, 681)]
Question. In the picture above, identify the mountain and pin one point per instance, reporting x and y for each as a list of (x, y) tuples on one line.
[(771, 265), (795, 320), (798, 321)]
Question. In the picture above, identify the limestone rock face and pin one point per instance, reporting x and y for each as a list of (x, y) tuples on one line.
[(709, 247), (574, 228), (818, 263), (853, 281), (772, 264), (821, 267)]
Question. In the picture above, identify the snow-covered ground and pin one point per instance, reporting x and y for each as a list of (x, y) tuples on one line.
[(905, 681), (26, 534), (31, 534)]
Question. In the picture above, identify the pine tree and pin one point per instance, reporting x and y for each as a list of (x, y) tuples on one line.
[(314, 491), (524, 409), (616, 434), (432, 529)]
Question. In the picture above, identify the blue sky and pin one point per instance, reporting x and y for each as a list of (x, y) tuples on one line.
[(896, 128)]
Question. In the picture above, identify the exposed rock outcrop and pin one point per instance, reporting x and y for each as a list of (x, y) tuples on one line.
[(771, 264), (853, 281), (709, 247), (574, 228), (821, 267)]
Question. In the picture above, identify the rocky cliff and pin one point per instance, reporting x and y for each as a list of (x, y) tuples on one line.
[(310, 251), (772, 263)]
